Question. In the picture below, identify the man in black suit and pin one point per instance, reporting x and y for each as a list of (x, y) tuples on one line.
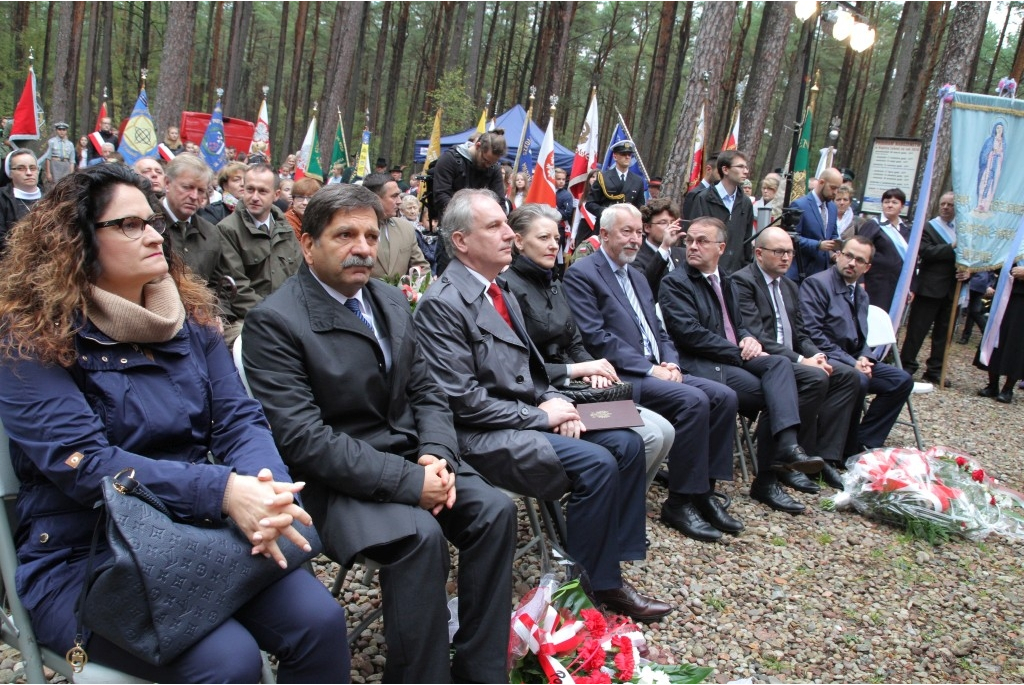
[(835, 312), (709, 179), (702, 317), (614, 309), (933, 292), (769, 306), (663, 231), (727, 202), (617, 184), (332, 355)]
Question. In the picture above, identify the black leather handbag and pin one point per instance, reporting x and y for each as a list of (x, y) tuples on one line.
[(169, 583), (581, 392)]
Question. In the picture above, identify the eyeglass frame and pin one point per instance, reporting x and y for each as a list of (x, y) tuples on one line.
[(160, 228), (776, 250), (701, 242), (860, 261)]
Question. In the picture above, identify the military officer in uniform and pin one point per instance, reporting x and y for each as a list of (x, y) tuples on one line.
[(59, 157), (614, 186)]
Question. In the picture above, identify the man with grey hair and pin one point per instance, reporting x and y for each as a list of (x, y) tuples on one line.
[(614, 309), (382, 464), (153, 170), (513, 426), (195, 239)]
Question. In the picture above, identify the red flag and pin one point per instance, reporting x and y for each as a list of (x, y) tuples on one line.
[(542, 187), (26, 120), (97, 142), (697, 170), (586, 151), (102, 115), (732, 141)]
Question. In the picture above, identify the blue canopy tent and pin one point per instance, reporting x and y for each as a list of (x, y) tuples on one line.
[(512, 121)]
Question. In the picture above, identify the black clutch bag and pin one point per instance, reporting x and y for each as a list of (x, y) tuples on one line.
[(169, 583), (581, 392)]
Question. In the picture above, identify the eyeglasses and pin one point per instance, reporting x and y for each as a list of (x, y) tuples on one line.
[(859, 260), (738, 166), (301, 198), (663, 222), (779, 253), (700, 242), (23, 169), (133, 227)]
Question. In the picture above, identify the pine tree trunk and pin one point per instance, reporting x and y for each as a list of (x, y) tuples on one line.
[(668, 111), (383, 38), (41, 78), (714, 32), (18, 27), (214, 80), (999, 48), (394, 77), (65, 80), (147, 24), (343, 54), (85, 97), (473, 60), (563, 15), (897, 72), (285, 124), (789, 114), (482, 70), (241, 20), (925, 59), (106, 63), (966, 31), (656, 81), (1017, 70), (768, 53), (728, 87), (172, 88), (276, 88)]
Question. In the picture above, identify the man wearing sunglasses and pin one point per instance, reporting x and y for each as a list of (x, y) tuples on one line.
[(835, 312)]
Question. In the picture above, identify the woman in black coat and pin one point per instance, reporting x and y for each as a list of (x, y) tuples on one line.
[(551, 327)]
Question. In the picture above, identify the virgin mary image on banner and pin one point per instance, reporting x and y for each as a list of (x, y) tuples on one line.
[(990, 165)]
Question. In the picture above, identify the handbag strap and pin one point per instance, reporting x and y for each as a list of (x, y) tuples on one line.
[(77, 656)]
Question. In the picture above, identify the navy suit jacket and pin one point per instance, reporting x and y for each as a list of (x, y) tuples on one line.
[(812, 232), (829, 318), (607, 322)]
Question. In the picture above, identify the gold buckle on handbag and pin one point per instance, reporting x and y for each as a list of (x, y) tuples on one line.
[(127, 474), (77, 657)]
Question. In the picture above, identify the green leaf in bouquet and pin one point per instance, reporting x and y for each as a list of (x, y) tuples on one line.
[(572, 597), (680, 673)]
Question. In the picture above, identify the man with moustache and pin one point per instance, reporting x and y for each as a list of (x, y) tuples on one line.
[(384, 473)]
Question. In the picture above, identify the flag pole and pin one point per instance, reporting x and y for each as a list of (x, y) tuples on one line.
[(526, 126), (639, 159), (344, 143)]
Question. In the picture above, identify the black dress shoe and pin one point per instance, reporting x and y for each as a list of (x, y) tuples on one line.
[(963, 340), (831, 476), (798, 481), (1006, 397), (988, 391), (687, 520), (628, 602), (934, 380), (765, 489), (795, 459), (712, 510)]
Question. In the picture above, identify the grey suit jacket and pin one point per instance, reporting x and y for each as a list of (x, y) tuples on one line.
[(351, 429), (399, 251), (494, 379)]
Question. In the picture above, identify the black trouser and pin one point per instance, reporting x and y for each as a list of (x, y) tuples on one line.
[(975, 314)]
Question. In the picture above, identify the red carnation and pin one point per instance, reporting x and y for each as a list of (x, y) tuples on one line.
[(961, 461), (993, 500), (591, 655), (596, 624), (978, 475), (624, 659)]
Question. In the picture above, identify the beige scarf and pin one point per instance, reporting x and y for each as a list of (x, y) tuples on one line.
[(158, 320)]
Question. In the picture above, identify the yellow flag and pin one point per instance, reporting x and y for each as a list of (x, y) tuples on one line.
[(434, 149), (363, 166), (481, 126)]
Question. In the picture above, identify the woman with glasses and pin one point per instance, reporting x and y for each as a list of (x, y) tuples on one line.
[(111, 360), (17, 198), (302, 191)]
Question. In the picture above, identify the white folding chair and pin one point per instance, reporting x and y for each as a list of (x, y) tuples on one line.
[(880, 334)]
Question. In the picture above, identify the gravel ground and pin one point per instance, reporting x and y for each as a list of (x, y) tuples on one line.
[(820, 597)]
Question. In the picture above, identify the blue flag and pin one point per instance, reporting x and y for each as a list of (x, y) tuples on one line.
[(139, 139), (213, 149), (618, 135)]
